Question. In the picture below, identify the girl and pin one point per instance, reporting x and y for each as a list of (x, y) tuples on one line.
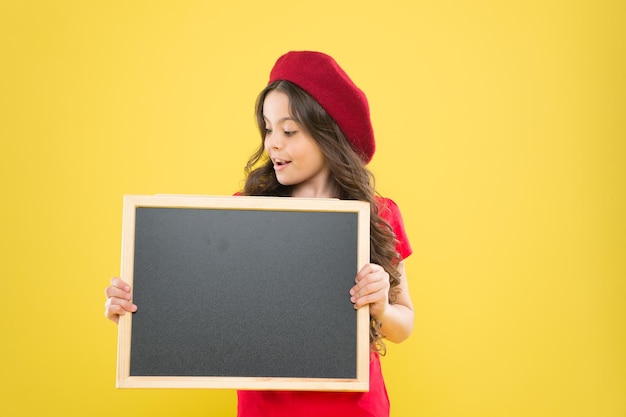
[(316, 141)]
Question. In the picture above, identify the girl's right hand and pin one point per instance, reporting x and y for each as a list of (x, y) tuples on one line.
[(118, 300)]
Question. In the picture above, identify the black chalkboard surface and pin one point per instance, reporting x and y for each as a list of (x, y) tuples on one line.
[(243, 293)]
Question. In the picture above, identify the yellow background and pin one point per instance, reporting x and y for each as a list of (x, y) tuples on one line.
[(501, 134)]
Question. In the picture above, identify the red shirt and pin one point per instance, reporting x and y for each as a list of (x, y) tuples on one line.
[(373, 403)]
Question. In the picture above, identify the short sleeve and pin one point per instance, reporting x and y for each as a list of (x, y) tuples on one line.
[(390, 212)]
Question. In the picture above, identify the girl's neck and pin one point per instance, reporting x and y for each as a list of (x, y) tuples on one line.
[(330, 191)]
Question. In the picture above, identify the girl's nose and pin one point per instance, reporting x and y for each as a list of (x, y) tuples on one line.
[(273, 141)]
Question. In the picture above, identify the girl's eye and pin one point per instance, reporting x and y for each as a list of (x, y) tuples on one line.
[(290, 133), (268, 131)]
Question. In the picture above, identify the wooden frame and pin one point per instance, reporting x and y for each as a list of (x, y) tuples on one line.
[(273, 206)]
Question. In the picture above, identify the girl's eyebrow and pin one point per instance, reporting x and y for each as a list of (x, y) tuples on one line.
[(283, 119)]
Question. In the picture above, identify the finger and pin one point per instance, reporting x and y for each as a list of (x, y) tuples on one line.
[(115, 292), (371, 298), (378, 277), (363, 272), (118, 283), (118, 305), (118, 288), (115, 311), (369, 288), (368, 271)]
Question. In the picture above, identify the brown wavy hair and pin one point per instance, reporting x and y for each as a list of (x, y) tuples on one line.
[(353, 181)]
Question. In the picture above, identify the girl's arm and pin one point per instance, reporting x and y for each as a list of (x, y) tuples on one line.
[(372, 287)]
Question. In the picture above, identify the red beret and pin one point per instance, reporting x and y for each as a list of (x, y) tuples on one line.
[(321, 77)]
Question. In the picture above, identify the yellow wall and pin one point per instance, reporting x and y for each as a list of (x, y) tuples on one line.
[(501, 133)]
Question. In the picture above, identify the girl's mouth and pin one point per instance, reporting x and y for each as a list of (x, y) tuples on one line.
[(280, 164)]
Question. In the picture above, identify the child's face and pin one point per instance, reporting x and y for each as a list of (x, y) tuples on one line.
[(297, 158)]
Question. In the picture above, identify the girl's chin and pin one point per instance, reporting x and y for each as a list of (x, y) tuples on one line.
[(287, 183), (285, 180)]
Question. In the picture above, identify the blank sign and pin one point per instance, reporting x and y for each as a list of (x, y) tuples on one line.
[(244, 293)]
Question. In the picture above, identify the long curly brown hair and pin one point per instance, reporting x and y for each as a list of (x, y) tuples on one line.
[(353, 181)]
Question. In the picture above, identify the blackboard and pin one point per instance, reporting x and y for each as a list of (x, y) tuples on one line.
[(243, 293)]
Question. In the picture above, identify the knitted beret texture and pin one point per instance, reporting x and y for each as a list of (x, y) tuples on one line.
[(322, 78)]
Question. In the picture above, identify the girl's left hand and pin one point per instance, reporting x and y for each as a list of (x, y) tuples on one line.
[(372, 287)]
